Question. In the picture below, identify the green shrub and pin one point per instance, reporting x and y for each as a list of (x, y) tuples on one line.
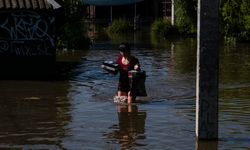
[(120, 26), (186, 16), (71, 36), (162, 28), (236, 19), (70, 30)]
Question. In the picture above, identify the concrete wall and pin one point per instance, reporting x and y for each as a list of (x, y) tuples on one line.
[(26, 33), (27, 41)]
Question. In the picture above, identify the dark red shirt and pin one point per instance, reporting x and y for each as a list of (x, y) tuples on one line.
[(130, 66), (123, 69)]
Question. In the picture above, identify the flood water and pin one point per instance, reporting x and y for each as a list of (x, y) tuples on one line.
[(78, 113)]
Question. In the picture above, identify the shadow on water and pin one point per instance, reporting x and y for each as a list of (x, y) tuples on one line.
[(26, 68), (33, 114), (55, 68), (29, 70), (34, 103), (206, 145)]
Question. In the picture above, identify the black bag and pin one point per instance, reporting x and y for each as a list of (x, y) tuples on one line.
[(137, 83)]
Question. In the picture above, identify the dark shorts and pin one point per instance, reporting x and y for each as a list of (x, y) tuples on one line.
[(123, 86)]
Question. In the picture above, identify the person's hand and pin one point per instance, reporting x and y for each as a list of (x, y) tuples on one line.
[(136, 67)]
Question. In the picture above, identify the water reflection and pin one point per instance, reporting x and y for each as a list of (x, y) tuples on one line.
[(131, 127), (80, 114), (33, 114), (206, 145)]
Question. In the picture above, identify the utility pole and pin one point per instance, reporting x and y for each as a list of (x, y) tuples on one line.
[(111, 14), (207, 89), (172, 13), (135, 17)]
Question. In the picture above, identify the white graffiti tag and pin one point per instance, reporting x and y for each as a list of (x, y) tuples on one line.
[(4, 46), (27, 26)]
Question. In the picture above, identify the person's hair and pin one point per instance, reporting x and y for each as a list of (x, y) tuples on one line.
[(124, 47)]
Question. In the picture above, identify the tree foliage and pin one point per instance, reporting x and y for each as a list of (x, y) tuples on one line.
[(72, 36), (234, 15), (73, 9), (70, 33), (120, 26), (235, 18), (186, 16), (162, 28)]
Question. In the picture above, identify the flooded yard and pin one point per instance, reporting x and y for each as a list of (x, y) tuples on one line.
[(79, 113)]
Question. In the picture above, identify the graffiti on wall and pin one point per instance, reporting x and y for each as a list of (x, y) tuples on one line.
[(26, 33)]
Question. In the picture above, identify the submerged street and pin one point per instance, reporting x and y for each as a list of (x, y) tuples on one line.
[(79, 113)]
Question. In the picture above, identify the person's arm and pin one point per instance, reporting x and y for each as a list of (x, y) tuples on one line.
[(110, 66), (137, 66), (118, 62)]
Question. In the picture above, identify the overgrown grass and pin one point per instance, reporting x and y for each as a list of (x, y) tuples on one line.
[(162, 28)]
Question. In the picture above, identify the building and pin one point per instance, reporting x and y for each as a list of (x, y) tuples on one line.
[(140, 13), (27, 36), (108, 10)]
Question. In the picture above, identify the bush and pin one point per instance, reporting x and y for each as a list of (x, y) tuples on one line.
[(186, 16), (120, 26), (71, 36), (236, 19), (162, 28), (69, 28)]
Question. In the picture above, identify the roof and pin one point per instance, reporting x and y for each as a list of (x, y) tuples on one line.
[(109, 2), (29, 4)]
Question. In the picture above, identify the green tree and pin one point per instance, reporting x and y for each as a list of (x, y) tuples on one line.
[(73, 9), (161, 28), (120, 26), (236, 19), (70, 34), (186, 16)]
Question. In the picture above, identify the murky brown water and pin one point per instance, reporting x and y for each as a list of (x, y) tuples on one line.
[(79, 113)]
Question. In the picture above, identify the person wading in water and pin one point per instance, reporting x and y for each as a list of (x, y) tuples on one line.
[(126, 62)]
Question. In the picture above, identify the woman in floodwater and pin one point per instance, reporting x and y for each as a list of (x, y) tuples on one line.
[(126, 62)]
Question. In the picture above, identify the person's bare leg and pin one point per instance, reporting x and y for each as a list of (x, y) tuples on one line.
[(120, 93), (131, 99), (130, 109)]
